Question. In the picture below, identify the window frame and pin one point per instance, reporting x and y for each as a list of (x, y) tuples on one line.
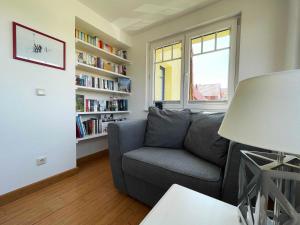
[(201, 105), (160, 44), (185, 38)]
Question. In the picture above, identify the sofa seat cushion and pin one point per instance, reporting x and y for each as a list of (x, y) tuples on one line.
[(164, 167)]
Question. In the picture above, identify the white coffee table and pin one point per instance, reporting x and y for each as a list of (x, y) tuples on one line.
[(182, 206)]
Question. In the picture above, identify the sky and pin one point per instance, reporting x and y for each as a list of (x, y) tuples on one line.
[(214, 66)]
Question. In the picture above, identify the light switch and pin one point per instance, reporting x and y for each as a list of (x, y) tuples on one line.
[(40, 92)]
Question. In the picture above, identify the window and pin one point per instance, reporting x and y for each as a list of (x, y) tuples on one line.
[(167, 73), (210, 67), (195, 69)]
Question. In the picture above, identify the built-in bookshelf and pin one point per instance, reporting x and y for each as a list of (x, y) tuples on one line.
[(102, 83)]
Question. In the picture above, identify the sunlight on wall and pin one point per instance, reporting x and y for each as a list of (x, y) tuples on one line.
[(168, 80), (168, 73)]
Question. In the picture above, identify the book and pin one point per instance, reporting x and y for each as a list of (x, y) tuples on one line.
[(80, 57), (80, 128), (100, 44), (87, 105), (122, 104), (79, 103)]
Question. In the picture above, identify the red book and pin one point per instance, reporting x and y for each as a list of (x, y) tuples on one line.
[(86, 105), (77, 132), (100, 43), (90, 127)]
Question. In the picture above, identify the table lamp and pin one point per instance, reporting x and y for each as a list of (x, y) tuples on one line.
[(265, 113)]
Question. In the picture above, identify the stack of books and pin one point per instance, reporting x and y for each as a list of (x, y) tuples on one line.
[(96, 105), (91, 60), (94, 126), (94, 40), (90, 126), (96, 82), (117, 105)]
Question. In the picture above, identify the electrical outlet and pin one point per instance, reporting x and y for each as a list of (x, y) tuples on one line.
[(41, 160), (40, 92)]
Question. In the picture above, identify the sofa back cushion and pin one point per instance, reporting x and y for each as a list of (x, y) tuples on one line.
[(166, 128), (203, 140)]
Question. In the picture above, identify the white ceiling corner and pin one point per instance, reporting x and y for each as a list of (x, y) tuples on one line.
[(136, 15), (149, 8), (123, 22)]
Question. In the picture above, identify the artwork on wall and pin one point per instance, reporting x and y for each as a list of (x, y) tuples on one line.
[(33, 46), (124, 84)]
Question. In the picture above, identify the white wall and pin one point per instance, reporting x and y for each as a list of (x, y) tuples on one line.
[(293, 45), (33, 126), (262, 46)]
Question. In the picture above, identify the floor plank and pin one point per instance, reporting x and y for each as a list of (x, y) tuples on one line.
[(87, 198)]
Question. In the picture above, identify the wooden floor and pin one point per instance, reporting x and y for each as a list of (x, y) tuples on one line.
[(86, 198)]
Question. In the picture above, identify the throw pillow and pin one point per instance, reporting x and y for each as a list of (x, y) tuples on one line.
[(166, 128), (203, 140)]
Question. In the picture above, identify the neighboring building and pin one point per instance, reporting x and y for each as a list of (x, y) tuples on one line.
[(209, 92)]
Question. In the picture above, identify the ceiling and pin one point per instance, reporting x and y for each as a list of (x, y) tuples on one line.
[(136, 15)]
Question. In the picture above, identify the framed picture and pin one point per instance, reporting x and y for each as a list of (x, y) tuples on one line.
[(36, 47), (124, 84)]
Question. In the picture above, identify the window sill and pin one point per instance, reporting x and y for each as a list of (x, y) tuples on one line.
[(195, 110)]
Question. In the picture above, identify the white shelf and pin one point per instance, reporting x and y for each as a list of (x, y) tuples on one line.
[(90, 89), (92, 69), (102, 112), (84, 46), (86, 27), (87, 137)]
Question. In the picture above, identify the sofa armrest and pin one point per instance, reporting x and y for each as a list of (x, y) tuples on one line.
[(230, 186), (123, 137)]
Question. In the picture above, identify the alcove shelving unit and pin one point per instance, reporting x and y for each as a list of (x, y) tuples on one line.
[(101, 74)]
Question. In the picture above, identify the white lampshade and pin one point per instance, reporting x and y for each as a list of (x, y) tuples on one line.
[(265, 112)]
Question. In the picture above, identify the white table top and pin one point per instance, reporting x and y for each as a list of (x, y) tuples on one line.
[(182, 206)]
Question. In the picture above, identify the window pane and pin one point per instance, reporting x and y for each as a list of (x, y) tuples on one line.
[(208, 42), (158, 55), (167, 53), (177, 51), (209, 76), (223, 39), (196, 45), (167, 81)]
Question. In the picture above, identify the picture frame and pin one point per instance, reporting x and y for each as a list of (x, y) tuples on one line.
[(32, 46), (124, 84)]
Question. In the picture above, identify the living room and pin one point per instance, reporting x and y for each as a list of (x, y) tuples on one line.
[(150, 112)]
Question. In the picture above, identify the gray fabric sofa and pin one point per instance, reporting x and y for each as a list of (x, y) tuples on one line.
[(146, 173)]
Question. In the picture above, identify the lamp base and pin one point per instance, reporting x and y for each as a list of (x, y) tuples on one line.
[(268, 184)]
